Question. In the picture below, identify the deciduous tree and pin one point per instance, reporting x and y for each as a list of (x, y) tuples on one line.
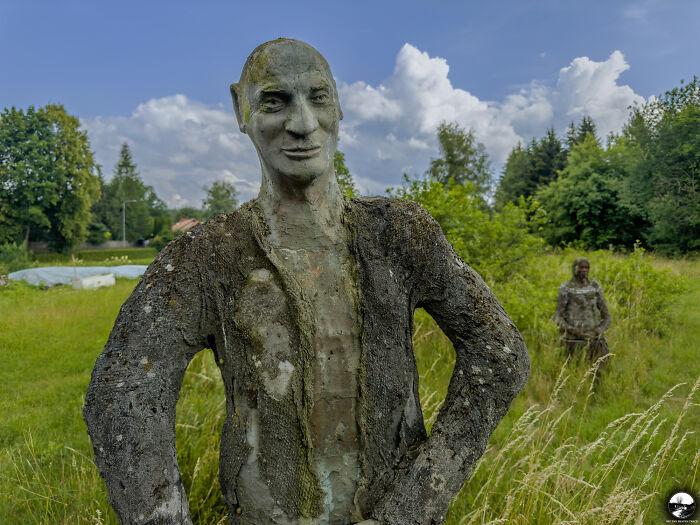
[(48, 177), (345, 180), (462, 159), (584, 204), (221, 198), (666, 174)]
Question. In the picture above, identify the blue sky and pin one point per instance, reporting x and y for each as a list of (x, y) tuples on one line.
[(156, 74)]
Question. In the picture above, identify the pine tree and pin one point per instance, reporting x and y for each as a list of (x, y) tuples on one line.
[(528, 170), (576, 134), (127, 190)]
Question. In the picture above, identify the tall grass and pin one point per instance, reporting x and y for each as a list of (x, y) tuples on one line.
[(570, 450)]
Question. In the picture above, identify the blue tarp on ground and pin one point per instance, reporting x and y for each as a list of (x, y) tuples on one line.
[(52, 275)]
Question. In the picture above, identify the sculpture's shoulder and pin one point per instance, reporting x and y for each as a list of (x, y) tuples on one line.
[(399, 218), (236, 226), (596, 285), (566, 286), (215, 242), (389, 208)]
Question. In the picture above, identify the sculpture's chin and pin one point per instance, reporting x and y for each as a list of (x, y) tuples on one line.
[(301, 172)]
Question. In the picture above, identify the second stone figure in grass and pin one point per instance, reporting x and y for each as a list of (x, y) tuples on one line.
[(307, 300), (582, 314)]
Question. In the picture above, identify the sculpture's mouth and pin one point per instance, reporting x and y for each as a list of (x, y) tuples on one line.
[(301, 152)]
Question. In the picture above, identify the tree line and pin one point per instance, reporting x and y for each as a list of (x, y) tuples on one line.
[(641, 186)]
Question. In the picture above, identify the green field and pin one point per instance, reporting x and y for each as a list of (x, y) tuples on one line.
[(568, 451)]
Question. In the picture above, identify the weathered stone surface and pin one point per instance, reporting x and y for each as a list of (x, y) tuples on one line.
[(307, 301)]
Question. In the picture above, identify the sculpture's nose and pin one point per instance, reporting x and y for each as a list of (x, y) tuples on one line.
[(302, 120)]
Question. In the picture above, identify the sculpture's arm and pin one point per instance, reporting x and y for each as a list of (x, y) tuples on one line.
[(559, 317), (130, 403), (491, 368), (605, 317)]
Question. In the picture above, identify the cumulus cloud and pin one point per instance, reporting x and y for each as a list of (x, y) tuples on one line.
[(590, 88), (384, 141), (180, 144), (398, 135)]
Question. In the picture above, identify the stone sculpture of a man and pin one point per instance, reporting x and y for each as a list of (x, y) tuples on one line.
[(582, 315), (307, 301)]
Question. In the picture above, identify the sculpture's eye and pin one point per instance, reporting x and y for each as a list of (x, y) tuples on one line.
[(269, 103), (320, 97)]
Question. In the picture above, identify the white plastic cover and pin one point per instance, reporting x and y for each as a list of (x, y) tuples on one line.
[(52, 275)]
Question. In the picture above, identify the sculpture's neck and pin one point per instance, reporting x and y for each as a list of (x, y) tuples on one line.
[(302, 217)]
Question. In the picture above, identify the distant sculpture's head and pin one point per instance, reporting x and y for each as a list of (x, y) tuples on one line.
[(580, 268), (287, 103)]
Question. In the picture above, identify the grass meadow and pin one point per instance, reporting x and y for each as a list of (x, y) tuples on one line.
[(570, 450)]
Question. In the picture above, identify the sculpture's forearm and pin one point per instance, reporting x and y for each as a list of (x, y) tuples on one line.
[(132, 429), (479, 395), (130, 403), (491, 368), (130, 412)]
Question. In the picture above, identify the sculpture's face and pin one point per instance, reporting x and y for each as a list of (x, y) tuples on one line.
[(582, 269), (290, 111)]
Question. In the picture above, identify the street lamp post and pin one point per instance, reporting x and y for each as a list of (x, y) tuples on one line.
[(124, 222)]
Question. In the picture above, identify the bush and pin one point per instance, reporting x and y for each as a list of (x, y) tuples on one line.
[(98, 233), (496, 244), (14, 257), (162, 240)]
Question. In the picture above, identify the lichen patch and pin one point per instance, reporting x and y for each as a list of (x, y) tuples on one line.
[(277, 387)]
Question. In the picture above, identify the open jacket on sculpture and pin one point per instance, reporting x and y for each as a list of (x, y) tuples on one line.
[(207, 288)]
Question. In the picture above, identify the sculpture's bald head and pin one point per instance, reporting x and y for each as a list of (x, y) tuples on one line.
[(287, 103), (279, 56)]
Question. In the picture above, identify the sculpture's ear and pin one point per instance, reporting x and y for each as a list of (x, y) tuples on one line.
[(238, 102)]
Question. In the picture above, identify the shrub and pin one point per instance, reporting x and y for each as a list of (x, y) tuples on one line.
[(497, 244), (162, 240), (14, 257), (98, 233)]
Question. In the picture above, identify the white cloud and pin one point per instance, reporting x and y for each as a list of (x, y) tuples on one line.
[(368, 103), (639, 10), (180, 144), (382, 146), (590, 88)]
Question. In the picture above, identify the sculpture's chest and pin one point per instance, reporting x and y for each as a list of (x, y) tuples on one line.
[(582, 303), (267, 313)]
